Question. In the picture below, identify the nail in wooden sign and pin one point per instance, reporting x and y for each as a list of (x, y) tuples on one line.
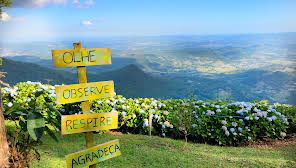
[(81, 57), (85, 91), (93, 155), (72, 124)]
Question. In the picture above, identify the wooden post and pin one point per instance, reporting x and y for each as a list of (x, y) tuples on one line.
[(81, 72), (4, 147), (150, 121)]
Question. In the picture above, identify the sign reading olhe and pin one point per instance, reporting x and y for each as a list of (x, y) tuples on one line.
[(81, 57), (72, 124), (85, 91), (93, 155)]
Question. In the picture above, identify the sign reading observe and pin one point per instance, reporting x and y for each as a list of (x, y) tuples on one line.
[(81, 57), (93, 155), (89, 122), (84, 91)]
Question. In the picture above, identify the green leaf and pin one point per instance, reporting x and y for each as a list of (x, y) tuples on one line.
[(19, 113), (51, 134), (13, 108), (35, 125), (52, 108)]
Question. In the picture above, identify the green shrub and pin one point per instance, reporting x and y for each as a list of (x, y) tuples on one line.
[(214, 122)]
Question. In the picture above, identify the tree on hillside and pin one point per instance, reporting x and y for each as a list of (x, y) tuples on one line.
[(4, 148)]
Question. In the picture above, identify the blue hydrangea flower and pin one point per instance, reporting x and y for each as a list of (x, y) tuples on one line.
[(239, 129), (193, 125), (227, 133), (196, 116), (246, 127), (224, 128), (193, 112), (234, 133), (234, 124), (273, 118), (269, 119), (256, 118), (163, 134), (243, 123), (247, 118), (241, 120), (230, 117), (232, 129), (249, 138)]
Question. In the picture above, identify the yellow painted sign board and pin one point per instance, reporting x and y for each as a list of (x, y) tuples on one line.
[(72, 124), (84, 91), (81, 57), (93, 155)]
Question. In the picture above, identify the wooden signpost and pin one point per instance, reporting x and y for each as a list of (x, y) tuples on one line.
[(83, 92)]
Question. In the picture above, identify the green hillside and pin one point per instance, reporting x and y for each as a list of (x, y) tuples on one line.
[(129, 80), (132, 82)]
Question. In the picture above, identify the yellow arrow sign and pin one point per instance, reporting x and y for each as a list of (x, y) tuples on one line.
[(72, 124), (93, 155), (81, 57), (85, 91)]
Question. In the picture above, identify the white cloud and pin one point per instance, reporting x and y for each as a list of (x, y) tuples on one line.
[(35, 3), (75, 2), (5, 18), (87, 23), (89, 2)]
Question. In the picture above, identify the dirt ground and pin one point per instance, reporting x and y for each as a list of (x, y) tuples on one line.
[(270, 143)]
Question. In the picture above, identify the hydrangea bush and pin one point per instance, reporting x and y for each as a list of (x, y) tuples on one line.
[(214, 122)]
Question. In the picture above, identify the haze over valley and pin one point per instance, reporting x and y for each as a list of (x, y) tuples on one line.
[(242, 67)]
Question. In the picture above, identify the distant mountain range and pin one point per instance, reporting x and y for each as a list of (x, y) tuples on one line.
[(116, 63), (131, 81)]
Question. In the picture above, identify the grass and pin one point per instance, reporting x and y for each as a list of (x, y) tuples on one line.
[(144, 151)]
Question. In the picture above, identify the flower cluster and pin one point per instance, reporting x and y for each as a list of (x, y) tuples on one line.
[(212, 121)]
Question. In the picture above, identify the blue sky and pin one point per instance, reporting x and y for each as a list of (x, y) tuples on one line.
[(54, 19)]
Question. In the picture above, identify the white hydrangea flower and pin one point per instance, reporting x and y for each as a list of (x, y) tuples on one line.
[(141, 111), (9, 104)]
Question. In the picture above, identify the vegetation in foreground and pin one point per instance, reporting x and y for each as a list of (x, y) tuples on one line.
[(32, 107), (144, 151)]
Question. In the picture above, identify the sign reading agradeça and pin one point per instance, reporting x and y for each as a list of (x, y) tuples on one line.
[(93, 155)]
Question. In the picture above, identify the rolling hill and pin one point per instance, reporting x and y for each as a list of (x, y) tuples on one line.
[(131, 81)]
